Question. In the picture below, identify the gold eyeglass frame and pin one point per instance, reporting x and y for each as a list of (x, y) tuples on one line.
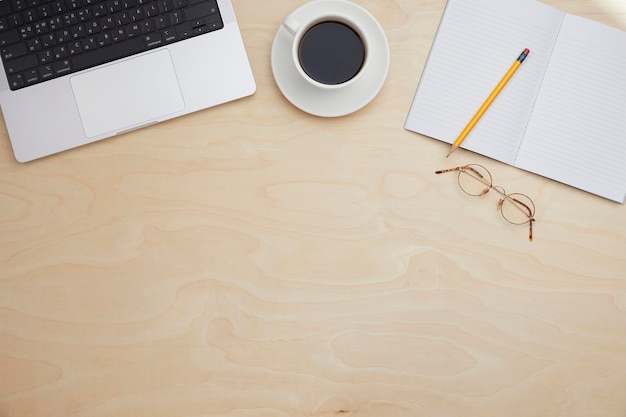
[(515, 198)]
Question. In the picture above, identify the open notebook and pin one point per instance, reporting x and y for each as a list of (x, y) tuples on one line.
[(562, 115)]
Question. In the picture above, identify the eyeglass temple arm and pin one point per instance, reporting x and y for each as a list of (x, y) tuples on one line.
[(528, 212), (443, 171)]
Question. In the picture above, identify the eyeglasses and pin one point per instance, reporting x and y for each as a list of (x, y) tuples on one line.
[(475, 180)]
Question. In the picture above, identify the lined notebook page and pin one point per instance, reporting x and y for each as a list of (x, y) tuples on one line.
[(577, 131), (476, 43)]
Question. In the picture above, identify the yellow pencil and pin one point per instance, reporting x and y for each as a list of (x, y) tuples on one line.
[(489, 100)]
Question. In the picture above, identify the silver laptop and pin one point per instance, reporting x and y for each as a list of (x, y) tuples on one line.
[(77, 71)]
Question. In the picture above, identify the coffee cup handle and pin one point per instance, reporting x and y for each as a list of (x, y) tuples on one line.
[(291, 25)]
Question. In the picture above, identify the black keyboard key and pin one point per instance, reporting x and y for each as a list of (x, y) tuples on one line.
[(49, 40), (45, 57), (16, 81), (133, 30), (153, 40), (201, 10), (33, 45), (161, 22), (114, 6), (31, 76), (60, 52), (27, 32), (18, 5), (176, 18), (41, 28), (72, 4), (184, 31), (89, 44), (13, 51), (151, 10), (75, 48), (61, 68), (46, 72), (58, 6), (166, 6), (8, 37), (107, 23), (92, 28), (98, 10), (137, 14), (5, 8), (15, 20), (214, 23), (45, 11), (78, 32), (169, 35), (148, 26), (63, 36), (104, 39), (29, 16), (55, 23), (107, 54), (122, 18), (20, 64), (118, 35), (84, 15)]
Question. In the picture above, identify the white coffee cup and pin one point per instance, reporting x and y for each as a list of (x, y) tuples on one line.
[(329, 50)]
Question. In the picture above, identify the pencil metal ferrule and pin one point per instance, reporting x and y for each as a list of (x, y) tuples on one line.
[(523, 55)]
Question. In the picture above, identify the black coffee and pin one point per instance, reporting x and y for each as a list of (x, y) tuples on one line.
[(331, 53)]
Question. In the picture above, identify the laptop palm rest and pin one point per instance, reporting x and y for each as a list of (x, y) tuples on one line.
[(128, 94)]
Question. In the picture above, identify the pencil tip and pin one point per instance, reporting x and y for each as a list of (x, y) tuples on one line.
[(452, 149)]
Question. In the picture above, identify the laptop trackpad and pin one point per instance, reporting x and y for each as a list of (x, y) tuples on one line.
[(127, 94)]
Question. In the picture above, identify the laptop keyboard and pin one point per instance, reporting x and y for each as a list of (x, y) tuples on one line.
[(45, 39)]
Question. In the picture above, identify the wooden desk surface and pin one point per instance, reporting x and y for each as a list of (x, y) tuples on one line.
[(252, 260)]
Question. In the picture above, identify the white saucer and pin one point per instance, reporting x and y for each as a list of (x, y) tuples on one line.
[(338, 102)]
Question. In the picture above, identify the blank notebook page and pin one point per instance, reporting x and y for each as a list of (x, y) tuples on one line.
[(577, 131), (475, 45)]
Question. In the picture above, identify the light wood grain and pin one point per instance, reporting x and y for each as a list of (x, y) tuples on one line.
[(254, 261)]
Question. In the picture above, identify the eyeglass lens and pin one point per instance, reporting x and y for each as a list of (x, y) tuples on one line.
[(476, 180), (517, 208)]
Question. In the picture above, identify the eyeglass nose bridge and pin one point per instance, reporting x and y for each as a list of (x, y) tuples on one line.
[(474, 171), (500, 191)]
